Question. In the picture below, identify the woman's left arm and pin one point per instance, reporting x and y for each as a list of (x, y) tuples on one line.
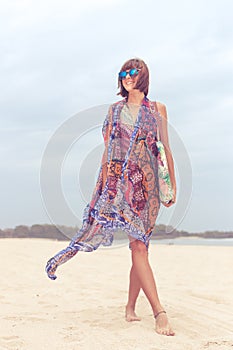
[(165, 140)]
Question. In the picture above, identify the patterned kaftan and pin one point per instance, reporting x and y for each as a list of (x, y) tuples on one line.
[(129, 198)]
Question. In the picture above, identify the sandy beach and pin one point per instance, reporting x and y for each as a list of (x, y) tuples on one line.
[(84, 307)]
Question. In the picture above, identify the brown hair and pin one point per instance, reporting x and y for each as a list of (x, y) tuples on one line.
[(143, 76)]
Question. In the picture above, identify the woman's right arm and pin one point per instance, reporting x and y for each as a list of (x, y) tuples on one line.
[(165, 139)]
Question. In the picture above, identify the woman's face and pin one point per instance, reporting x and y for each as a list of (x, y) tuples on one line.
[(129, 82)]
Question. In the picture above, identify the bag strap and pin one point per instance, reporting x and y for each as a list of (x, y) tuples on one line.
[(155, 112)]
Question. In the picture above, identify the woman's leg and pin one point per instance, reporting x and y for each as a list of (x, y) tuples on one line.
[(134, 289), (145, 279)]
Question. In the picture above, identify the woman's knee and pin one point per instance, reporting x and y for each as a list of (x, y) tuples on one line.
[(138, 247)]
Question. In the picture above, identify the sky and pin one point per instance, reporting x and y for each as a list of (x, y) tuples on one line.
[(60, 59)]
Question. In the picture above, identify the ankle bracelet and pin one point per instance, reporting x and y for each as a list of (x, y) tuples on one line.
[(160, 312)]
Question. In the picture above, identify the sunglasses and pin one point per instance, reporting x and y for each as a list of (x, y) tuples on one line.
[(132, 73)]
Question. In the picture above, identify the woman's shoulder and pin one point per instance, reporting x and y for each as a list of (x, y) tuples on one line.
[(114, 105), (161, 108), (117, 103)]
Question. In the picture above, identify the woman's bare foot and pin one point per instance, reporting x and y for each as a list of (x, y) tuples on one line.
[(162, 325), (130, 315)]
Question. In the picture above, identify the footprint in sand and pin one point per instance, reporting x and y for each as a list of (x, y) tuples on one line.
[(10, 343), (219, 345)]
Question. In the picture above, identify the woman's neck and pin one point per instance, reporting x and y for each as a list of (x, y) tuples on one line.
[(135, 96)]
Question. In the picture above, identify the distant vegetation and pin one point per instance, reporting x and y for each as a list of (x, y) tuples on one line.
[(63, 233)]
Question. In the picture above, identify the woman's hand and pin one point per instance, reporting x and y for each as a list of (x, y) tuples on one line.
[(173, 200)]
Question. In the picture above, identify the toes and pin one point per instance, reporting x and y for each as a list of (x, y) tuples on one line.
[(171, 332), (130, 318), (161, 331), (164, 331)]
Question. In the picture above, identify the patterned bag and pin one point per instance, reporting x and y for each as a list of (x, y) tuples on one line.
[(165, 187)]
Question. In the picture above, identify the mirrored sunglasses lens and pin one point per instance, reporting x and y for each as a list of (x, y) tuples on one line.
[(122, 74), (133, 72)]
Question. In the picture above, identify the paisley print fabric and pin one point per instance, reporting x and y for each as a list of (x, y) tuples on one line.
[(126, 195)]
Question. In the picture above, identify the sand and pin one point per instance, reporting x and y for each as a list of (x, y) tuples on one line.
[(84, 307)]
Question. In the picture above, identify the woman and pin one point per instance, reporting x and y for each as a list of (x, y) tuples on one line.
[(126, 195)]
